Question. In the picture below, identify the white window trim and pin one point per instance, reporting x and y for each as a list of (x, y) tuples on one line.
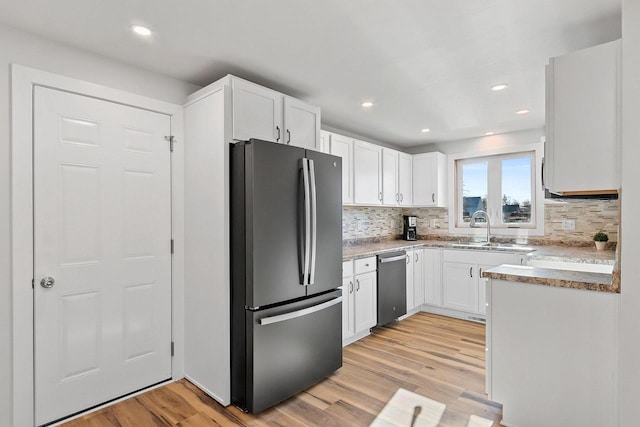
[(538, 193)]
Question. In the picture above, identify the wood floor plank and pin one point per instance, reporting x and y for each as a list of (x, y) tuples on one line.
[(434, 356)]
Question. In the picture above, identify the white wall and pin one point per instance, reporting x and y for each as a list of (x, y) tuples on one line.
[(492, 142), (25, 49), (630, 226)]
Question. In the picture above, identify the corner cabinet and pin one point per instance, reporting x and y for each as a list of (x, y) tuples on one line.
[(430, 180), (359, 298), (582, 141), (367, 173), (262, 113)]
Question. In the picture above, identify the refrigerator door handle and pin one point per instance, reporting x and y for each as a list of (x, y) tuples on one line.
[(307, 221), (314, 221), (299, 313)]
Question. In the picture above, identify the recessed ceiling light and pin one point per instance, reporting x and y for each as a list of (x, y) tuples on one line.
[(489, 133), (367, 104), (522, 111), (140, 30), (500, 86), (425, 130)]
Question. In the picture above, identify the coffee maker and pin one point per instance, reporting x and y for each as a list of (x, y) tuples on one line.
[(409, 230)]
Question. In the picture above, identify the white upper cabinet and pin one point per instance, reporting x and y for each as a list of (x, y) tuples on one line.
[(405, 179), (343, 147), (583, 121), (301, 124), (324, 145), (367, 170), (262, 113), (390, 195), (257, 112), (396, 178), (430, 179)]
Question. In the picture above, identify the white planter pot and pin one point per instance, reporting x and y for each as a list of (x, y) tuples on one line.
[(600, 245)]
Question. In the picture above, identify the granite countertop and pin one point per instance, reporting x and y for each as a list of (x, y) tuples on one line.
[(548, 252), (601, 282)]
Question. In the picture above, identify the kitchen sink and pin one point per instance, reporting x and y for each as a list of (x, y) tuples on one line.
[(493, 246)]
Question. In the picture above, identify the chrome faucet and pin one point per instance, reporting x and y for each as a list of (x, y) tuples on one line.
[(473, 224)]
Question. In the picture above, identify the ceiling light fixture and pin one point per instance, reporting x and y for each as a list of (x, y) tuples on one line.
[(500, 86), (367, 104), (489, 133), (522, 111), (425, 130), (141, 30)]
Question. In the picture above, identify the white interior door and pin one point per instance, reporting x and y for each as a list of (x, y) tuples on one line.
[(102, 230)]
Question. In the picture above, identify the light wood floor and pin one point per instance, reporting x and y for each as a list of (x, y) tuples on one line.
[(435, 356)]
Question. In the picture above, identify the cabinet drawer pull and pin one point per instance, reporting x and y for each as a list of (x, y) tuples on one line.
[(470, 271)]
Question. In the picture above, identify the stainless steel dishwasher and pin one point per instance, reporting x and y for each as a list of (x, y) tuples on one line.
[(392, 286)]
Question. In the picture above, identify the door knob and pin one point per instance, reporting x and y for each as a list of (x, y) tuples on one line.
[(47, 282)]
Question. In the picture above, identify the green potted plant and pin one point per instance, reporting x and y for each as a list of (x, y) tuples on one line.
[(601, 239)]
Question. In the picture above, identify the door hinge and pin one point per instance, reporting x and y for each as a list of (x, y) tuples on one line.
[(172, 245), (172, 348), (172, 140)]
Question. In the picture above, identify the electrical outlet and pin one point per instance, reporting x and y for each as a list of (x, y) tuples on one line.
[(568, 224)]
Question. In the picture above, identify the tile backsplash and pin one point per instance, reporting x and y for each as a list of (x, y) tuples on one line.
[(590, 216)]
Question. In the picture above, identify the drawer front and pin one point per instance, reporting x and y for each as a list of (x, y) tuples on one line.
[(347, 269), (479, 257), (365, 265)]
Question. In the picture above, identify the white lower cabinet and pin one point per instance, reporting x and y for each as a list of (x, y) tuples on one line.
[(463, 287), (432, 260), (460, 289), (359, 298), (415, 279)]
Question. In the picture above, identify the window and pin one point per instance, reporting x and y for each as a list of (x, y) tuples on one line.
[(502, 185)]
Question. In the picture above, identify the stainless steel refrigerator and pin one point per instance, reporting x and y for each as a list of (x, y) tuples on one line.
[(286, 267)]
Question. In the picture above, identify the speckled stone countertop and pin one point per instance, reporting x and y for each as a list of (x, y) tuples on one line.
[(600, 282), (553, 253)]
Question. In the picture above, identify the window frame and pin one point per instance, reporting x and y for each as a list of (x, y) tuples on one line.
[(494, 183)]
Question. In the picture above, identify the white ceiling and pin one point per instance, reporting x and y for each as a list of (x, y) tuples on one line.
[(424, 63)]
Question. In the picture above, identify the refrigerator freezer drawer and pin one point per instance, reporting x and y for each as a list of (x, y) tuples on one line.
[(289, 348)]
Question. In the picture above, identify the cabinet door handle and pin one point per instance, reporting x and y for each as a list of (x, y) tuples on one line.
[(401, 197), (380, 196), (351, 286), (288, 136), (397, 197), (542, 174), (278, 137), (416, 257), (357, 285), (480, 275), (470, 271), (408, 259), (433, 197)]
